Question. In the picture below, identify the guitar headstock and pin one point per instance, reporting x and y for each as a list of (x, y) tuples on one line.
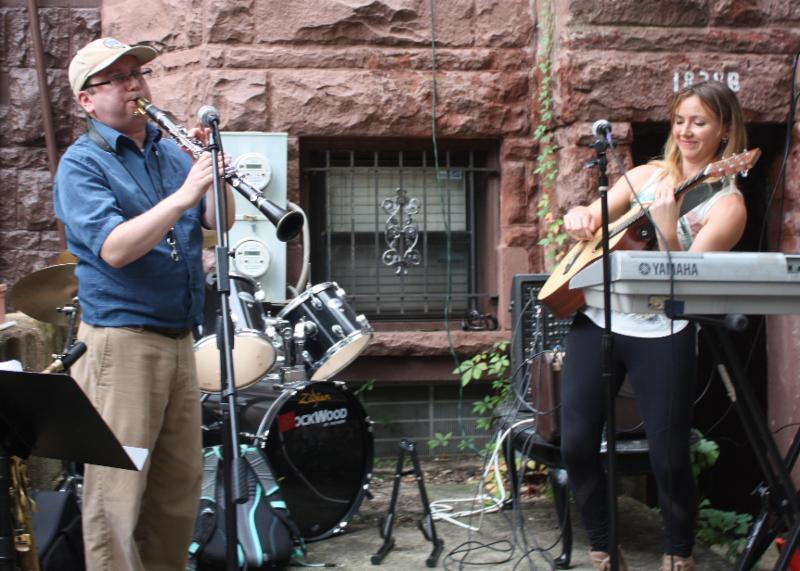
[(741, 162)]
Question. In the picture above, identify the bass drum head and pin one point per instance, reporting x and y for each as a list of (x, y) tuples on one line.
[(320, 447)]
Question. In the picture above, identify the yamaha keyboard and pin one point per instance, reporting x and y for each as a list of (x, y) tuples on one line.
[(704, 283)]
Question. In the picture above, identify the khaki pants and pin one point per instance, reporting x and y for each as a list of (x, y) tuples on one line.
[(145, 387)]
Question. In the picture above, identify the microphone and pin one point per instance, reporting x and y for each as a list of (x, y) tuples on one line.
[(601, 129), (208, 115), (68, 359)]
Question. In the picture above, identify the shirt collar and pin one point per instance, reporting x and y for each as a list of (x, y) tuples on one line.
[(114, 138)]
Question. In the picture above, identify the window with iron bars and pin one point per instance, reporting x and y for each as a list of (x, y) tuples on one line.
[(401, 236)]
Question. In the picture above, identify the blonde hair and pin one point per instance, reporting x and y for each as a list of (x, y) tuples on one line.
[(723, 104)]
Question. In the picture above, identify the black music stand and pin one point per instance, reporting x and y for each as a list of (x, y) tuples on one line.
[(48, 415)]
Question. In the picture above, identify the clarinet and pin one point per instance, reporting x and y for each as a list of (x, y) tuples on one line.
[(287, 223)]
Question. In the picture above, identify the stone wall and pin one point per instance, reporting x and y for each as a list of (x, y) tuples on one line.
[(784, 331), (29, 238), (358, 69), (351, 70)]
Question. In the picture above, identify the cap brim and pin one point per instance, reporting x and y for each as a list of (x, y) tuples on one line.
[(143, 54)]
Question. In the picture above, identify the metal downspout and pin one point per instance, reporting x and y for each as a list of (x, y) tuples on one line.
[(44, 94)]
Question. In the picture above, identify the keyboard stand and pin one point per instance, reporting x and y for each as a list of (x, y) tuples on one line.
[(780, 503)]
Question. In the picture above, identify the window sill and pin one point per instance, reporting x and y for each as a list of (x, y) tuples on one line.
[(431, 343)]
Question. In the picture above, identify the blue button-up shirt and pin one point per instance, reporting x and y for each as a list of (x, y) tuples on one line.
[(95, 191)]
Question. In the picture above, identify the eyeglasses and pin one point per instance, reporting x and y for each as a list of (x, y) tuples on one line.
[(121, 79)]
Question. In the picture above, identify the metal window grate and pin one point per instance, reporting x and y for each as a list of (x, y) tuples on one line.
[(431, 265)]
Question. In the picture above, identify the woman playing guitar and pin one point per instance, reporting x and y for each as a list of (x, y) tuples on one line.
[(657, 354)]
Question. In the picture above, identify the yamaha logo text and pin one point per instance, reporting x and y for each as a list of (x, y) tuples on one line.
[(686, 269)]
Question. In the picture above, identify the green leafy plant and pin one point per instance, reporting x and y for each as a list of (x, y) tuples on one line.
[(720, 527), (364, 388), (555, 239), (704, 453), (493, 364), (440, 440), (717, 527)]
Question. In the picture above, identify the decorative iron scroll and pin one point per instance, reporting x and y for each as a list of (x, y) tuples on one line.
[(402, 233)]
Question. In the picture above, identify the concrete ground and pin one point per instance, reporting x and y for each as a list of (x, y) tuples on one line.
[(499, 544)]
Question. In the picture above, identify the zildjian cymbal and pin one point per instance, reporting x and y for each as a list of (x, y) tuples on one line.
[(41, 293)]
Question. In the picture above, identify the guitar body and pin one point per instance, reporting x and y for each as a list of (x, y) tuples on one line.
[(556, 294), (631, 231)]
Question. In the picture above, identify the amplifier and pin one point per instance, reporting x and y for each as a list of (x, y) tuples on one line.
[(536, 329)]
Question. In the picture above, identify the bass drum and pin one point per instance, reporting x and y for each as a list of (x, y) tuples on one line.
[(319, 443)]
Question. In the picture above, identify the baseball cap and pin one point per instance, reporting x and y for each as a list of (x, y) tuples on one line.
[(95, 56)]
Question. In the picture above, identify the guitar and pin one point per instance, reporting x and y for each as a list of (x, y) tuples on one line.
[(631, 231)]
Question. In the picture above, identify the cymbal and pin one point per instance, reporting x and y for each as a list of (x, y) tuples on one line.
[(66, 257), (40, 293), (209, 238)]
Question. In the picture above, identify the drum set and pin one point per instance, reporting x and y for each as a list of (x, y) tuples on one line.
[(313, 431)]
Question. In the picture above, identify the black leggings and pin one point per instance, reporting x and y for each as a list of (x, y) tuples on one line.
[(662, 373)]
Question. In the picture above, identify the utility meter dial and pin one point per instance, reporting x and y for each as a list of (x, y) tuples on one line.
[(251, 257), (254, 169)]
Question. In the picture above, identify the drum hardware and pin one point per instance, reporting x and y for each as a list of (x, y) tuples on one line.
[(426, 525), (299, 354), (296, 374), (310, 329)]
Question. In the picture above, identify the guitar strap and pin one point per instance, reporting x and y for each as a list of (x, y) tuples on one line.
[(700, 194)]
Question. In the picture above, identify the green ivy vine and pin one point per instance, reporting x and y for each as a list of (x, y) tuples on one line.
[(546, 170)]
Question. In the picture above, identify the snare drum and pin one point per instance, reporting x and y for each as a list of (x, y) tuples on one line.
[(318, 441), (254, 349), (335, 335)]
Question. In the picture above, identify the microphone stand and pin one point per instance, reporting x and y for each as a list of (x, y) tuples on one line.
[(601, 162), (232, 470)]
